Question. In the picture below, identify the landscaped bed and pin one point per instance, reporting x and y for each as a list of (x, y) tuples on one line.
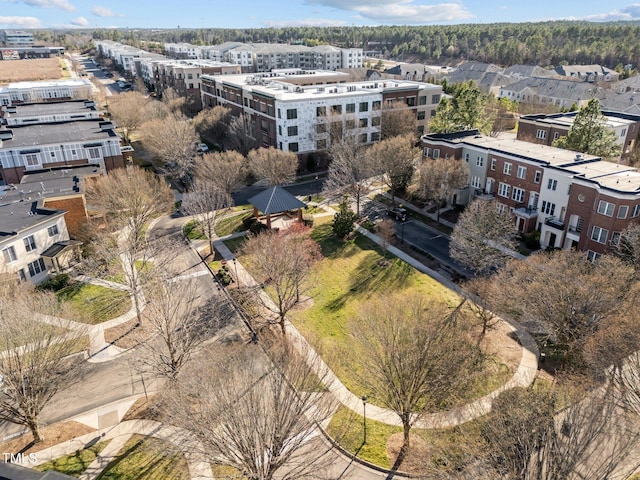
[(76, 463), (94, 304)]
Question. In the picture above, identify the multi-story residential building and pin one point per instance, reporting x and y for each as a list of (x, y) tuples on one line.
[(551, 91), (16, 38), (588, 73), (279, 111), (35, 113), (45, 91), (27, 148), (28, 231), (184, 50), (544, 129), (22, 53), (574, 200)]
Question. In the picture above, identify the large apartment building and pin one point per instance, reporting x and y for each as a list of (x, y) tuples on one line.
[(56, 135), (574, 200), (45, 91), (16, 38), (295, 110)]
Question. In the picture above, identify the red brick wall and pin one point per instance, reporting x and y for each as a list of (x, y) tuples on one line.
[(76, 211)]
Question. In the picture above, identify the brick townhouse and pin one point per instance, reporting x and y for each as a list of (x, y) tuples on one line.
[(574, 200)]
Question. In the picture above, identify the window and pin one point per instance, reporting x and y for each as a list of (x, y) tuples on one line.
[(605, 208), (375, 122), (321, 144), (363, 138), (36, 267), (364, 122), (479, 161), (9, 254), (493, 163), (375, 136), (293, 147), (435, 98), (636, 211), (422, 100), (475, 182), (507, 168), (436, 153), (501, 207), (615, 238), (292, 131), (280, 116), (552, 184), (351, 108), (541, 134), (279, 129), (292, 113), (466, 157), (522, 172), (518, 195), (375, 105), (321, 127), (599, 234), (503, 189), (623, 210), (337, 109), (548, 207), (31, 159), (538, 176), (94, 153), (21, 275), (364, 106), (426, 151), (556, 135), (52, 230), (30, 243), (623, 132), (593, 256), (421, 115)]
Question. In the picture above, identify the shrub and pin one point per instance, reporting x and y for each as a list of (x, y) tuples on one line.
[(248, 220), (224, 277), (532, 239), (343, 220), (258, 227), (56, 283)]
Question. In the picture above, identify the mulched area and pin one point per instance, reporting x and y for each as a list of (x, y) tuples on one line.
[(53, 435)]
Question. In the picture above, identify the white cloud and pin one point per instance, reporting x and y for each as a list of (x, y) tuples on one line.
[(309, 22), (21, 22), (80, 22), (104, 12), (62, 4), (630, 12), (400, 11)]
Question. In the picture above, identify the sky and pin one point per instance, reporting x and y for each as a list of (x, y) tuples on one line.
[(24, 14)]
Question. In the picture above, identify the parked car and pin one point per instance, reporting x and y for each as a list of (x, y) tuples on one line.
[(398, 213), (203, 148)]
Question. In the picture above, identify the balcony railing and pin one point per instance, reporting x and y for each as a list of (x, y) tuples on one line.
[(554, 223)]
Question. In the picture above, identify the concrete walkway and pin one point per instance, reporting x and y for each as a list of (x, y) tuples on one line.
[(524, 376)]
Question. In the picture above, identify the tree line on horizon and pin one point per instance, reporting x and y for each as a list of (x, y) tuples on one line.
[(612, 44)]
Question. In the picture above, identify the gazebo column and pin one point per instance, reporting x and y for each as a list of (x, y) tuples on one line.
[(269, 221), (300, 215), (255, 212)]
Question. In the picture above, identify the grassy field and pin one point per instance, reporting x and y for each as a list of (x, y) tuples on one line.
[(94, 304), (26, 70), (76, 463), (146, 458), (351, 275)]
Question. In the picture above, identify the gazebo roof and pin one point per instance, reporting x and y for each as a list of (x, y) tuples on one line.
[(275, 200)]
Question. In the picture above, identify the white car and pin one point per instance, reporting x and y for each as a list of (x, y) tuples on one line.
[(203, 148)]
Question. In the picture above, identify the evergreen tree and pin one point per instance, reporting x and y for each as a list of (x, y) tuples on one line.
[(344, 219), (466, 110), (590, 134)]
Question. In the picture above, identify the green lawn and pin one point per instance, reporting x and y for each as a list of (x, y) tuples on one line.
[(147, 458), (231, 223), (348, 277), (94, 304), (192, 231), (76, 463)]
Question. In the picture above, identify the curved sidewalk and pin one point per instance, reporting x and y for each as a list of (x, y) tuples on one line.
[(524, 375)]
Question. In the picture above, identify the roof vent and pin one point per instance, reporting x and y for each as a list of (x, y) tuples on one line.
[(578, 158), (105, 126), (6, 134)]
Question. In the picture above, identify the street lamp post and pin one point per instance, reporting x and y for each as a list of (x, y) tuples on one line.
[(235, 268), (315, 186), (402, 233), (364, 413)]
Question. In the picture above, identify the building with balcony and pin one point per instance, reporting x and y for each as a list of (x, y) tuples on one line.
[(574, 200), (16, 38), (45, 91), (296, 110)]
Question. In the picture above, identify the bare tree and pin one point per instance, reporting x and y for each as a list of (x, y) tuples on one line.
[(129, 199), (349, 170), (283, 260), (204, 202), (396, 159), (415, 355), (439, 179), (34, 346), (174, 140), (212, 124), (398, 120), (481, 293), (579, 296), (256, 415), (628, 247), (483, 237), (532, 437), (276, 167), (223, 171), (238, 138), (177, 325), (385, 231), (129, 110)]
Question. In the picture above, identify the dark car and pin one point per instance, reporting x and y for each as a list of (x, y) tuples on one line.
[(398, 213)]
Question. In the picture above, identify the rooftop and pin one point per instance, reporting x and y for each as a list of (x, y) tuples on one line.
[(47, 84), (50, 108), (18, 216), (57, 133)]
